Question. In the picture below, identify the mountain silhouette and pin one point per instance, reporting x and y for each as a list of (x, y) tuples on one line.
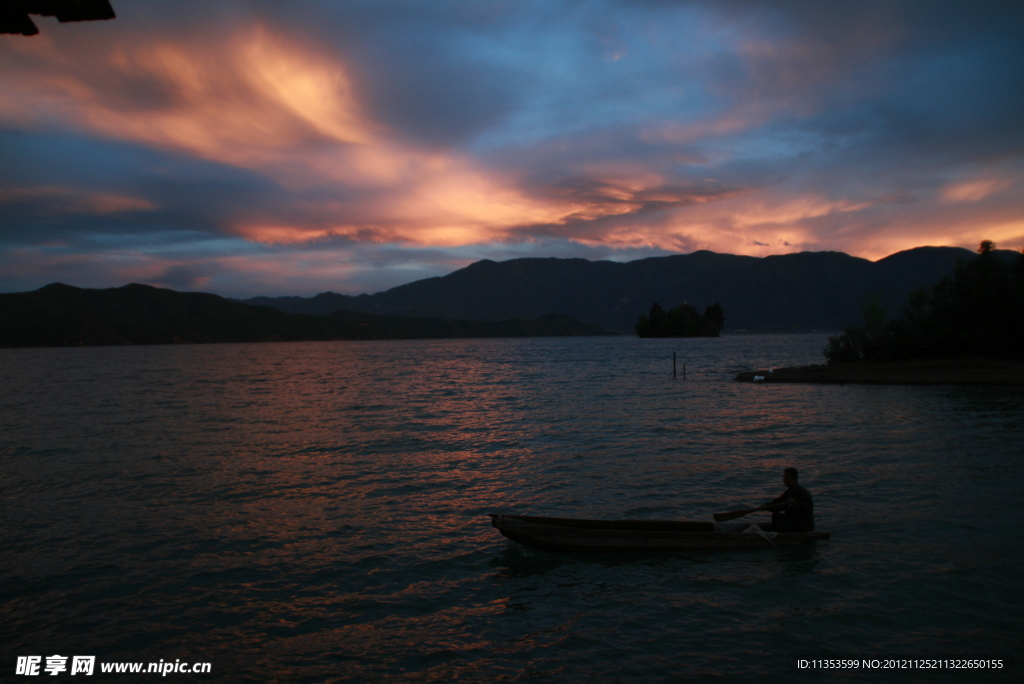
[(61, 315), (789, 292)]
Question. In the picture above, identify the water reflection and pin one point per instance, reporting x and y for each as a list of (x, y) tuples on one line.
[(800, 560), (515, 563), (325, 505)]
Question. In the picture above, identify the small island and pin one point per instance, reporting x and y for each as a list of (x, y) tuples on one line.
[(967, 329), (682, 321)]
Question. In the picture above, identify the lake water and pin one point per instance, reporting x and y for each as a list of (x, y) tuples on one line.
[(317, 512)]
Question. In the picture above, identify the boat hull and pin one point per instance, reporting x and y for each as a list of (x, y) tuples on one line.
[(573, 534)]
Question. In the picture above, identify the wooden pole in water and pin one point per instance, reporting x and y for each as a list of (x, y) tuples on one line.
[(684, 371), (673, 365)]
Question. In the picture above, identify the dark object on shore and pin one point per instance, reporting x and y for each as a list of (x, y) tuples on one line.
[(14, 13), (572, 534), (976, 311), (64, 316), (682, 321), (954, 371)]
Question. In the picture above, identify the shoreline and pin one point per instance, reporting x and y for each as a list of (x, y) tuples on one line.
[(955, 371)]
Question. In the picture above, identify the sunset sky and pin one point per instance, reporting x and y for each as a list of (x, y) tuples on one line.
[(248, 148)]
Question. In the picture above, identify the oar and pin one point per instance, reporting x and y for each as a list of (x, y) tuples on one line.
[(722, 517)]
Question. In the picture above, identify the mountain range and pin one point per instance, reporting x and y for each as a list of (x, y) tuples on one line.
[(60, 315), (516, 298), (789, 292)]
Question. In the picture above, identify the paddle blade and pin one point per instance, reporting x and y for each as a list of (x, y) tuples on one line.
[(722, 517)]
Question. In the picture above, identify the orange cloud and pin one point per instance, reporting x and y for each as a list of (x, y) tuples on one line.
[(249, 101), (290, 111), (261, 102), (738, 222), (974, 190), (789, 211)]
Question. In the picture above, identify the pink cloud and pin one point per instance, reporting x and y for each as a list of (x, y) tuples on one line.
[(778, 134), (974, 190), (259, 101)]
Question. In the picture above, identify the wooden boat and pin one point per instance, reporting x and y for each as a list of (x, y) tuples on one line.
[(573, 534)]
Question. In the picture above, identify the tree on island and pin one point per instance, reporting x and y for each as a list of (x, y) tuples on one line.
[(976, 311), (682, 321)]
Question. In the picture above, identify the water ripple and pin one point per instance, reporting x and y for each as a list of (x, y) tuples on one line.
[(317, 511)]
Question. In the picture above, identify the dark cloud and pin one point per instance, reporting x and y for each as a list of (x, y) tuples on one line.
[(255, 147)]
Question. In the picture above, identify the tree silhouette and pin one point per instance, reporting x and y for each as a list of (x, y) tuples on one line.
[(681, 321), (976, 311)]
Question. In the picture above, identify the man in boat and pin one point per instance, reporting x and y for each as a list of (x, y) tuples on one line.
[(793, 511)]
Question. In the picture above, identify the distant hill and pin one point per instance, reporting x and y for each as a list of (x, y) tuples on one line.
[(790, 292), (61, 315)]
